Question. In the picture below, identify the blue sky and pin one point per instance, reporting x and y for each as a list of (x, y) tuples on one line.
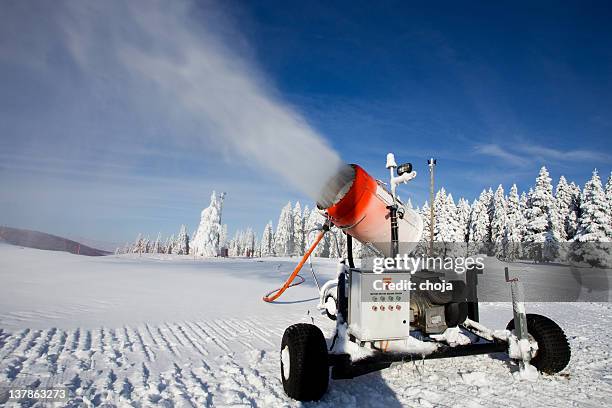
[(93, 143)]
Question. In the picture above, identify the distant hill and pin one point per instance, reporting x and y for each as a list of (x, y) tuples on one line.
[(95, 243), (40, 240)]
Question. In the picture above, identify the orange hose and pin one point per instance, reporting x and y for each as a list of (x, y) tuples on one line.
[(279, 292)]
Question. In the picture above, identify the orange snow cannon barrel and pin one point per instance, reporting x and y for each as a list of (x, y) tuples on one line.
[(358, 204)]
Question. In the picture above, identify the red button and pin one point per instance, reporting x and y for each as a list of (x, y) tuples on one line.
[(391, 307), (398, 307), (382, 308), (374, 308)]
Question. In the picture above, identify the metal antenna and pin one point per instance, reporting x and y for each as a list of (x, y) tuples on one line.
[(432, 164)]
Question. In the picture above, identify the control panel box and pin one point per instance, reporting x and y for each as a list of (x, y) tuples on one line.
[(379, 305)]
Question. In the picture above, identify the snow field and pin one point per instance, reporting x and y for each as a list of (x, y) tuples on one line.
[(153, 335)]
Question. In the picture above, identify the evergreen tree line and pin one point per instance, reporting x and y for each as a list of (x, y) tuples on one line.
[(174, 244), (532, 225), (508, 225)]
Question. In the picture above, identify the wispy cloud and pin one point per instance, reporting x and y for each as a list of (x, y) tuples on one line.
[(494, 150), (549, 153), (528, 154)]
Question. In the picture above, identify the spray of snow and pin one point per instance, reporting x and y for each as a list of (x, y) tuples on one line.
[(174, 57)]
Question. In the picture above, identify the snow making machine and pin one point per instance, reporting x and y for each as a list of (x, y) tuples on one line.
[(380, 320)]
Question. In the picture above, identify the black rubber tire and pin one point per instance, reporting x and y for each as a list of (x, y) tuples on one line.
[(554, 351), (459, 291), (455, 313), (308, 365)]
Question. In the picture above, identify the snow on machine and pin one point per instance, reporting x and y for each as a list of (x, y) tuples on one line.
[(380, 319)]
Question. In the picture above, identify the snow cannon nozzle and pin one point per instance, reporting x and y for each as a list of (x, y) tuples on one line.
[(359, 205), (336, 187)]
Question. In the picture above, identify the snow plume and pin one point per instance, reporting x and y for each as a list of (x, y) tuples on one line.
[(174, 57)]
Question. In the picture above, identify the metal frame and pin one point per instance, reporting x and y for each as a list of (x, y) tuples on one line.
[(343, 368)]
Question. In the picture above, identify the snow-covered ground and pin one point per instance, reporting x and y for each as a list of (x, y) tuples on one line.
[(174, 331)]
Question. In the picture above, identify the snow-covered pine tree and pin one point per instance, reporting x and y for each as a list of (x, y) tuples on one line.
[(523, 202), (608, 191), (181, 244), (206, 240), (316, 220), (283, 238), (298, 230), (422, 247), (163, 246), (170, 244), (222, 238), (238, 244), (540, 202), (488, 202), (445, 210), (249, 243), (305, 216), (551, 249), (232, 246), (439, 204), (242, 243), (479, 224), (137, 247), (257, 251), (591, 243), (499, 223), (572, 219), (463, 220), (446, 226), (514, 228), (564, 198), (499, 217), (241, 240), (594, 222), (157, 244), (455, 230), (425, 214), (267, 240)]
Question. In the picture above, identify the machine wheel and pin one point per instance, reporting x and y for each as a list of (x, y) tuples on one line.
[(304, 365), (455, 313), (554, 352), (459, 291)]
